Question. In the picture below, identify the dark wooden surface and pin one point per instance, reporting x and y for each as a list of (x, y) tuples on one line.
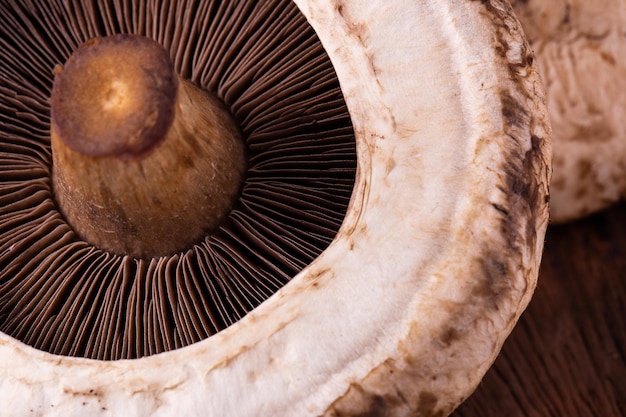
[(567, 355)]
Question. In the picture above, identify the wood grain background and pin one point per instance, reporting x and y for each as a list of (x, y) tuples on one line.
[(566, 357)]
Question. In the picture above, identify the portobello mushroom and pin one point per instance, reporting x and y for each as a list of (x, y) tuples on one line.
[(424, 209)]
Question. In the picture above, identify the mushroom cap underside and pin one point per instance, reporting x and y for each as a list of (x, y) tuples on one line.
[(436, 259), (81, 237)]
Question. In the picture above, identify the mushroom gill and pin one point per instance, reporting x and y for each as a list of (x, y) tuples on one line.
[(59, 290)]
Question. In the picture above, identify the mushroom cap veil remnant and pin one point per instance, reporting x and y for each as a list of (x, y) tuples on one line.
[(581, 55), (436, 258)]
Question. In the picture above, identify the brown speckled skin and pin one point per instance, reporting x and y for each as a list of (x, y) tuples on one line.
[(523, 213)]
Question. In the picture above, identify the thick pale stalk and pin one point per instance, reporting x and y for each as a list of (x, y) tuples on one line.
[(145, 163)]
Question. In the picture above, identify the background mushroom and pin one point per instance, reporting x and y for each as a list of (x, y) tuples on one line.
[(581, 54), (396, 315)]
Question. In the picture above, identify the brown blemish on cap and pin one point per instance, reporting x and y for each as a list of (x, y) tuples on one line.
[(358, 402), (513, 111), (428, 405), (449, 336)]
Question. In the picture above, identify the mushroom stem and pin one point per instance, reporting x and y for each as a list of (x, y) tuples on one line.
[(145, 163)]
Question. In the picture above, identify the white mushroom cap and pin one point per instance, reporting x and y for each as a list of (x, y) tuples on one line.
[(581, 54), (437, 257)]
